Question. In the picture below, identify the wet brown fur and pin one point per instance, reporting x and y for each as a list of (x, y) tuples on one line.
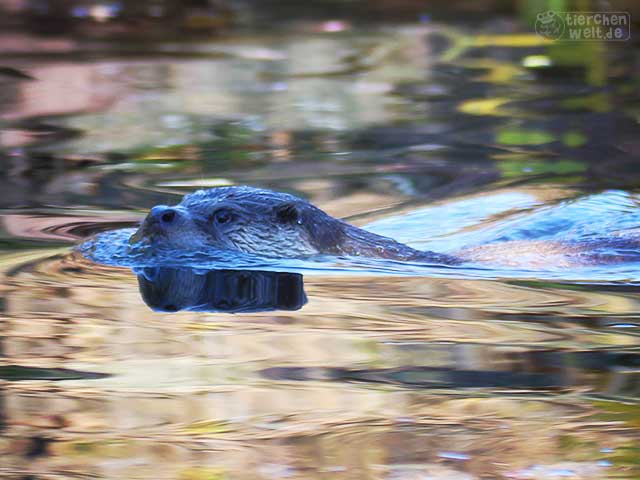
[(280, 225)]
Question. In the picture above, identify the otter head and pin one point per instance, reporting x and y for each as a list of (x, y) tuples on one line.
[(243, 219)]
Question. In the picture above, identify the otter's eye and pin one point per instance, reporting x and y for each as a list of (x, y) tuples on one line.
[(222, 216), (287, 212)]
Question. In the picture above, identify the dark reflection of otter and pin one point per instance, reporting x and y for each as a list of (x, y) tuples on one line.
[(168, 289)]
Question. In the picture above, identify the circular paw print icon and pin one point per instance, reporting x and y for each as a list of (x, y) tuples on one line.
[(549, 25)]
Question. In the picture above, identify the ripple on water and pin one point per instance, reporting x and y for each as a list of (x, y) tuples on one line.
[(52, 226)]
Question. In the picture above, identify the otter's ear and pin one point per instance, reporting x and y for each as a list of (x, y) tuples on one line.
[(287, 213)]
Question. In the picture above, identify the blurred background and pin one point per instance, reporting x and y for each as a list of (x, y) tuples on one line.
[(442, 124)]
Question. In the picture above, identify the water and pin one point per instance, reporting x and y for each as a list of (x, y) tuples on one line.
[(442, 136)]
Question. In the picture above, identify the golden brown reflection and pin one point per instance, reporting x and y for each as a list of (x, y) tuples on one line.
[(308, 432), (337, 388)]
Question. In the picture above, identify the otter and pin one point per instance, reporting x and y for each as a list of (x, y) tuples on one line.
[(280, 225), (266, 223)]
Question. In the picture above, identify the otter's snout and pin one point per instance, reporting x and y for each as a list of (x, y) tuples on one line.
[(161, 220), (163, 216)]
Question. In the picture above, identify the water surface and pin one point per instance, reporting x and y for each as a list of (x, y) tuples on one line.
[(441, 136)]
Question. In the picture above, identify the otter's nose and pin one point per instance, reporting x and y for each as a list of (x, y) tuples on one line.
[(164, 215)]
